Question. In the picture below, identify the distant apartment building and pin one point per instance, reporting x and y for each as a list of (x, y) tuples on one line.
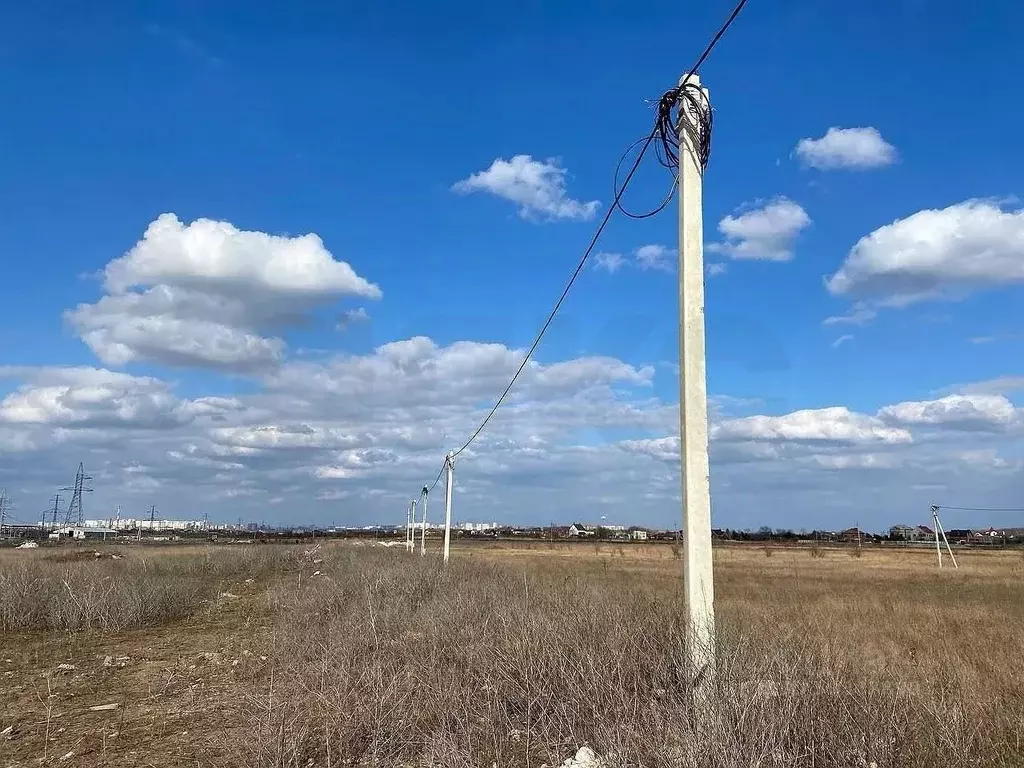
[(145, 524)]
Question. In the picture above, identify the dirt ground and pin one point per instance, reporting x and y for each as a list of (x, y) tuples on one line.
[(173, 689)]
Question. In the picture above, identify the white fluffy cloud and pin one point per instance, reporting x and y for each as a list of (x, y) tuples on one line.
[(833, 425), (659, 257), (937, 253), (848, 148), (766, 233), (90, 398), (644, 257), (216, 255), (350, 439), (537, 187), (204, 294), (609, 262), (985, 412)]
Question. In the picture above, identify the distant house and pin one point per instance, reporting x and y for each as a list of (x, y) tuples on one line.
[(903, 532), (853, 535), (578, 530), (911, 533), (638, 534), (960, 535), (924, 533)]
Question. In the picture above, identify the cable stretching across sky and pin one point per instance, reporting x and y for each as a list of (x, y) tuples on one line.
[(668, 154)]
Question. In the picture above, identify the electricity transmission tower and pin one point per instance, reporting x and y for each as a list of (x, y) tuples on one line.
[(54, 512), (76, 511), (4, 507)]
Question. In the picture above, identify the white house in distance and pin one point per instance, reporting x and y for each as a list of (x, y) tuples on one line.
[(580, 531), (912, 532)]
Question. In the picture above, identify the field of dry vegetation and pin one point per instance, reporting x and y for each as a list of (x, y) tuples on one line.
[(513, 656)]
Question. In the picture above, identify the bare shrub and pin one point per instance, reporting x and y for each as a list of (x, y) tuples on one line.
[(816, 552), (768, 551), (71, 594), (398, 661)]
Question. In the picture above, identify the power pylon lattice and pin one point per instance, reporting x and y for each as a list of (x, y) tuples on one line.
[(76, 510)]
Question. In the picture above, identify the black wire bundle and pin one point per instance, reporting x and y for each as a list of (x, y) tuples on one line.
[(682, 107), (693, 115)]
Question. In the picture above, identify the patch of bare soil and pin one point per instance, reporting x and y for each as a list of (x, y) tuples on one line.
[(155, 697)]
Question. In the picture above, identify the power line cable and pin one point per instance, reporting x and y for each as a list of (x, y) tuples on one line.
[(665, 128), (668, 154), (980, 509), (438, 478), (565, 292)]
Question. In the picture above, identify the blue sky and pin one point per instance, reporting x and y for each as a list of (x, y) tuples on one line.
[(358, 123)]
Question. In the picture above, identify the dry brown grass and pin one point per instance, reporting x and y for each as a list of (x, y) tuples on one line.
[(516, 655), (79, 589)]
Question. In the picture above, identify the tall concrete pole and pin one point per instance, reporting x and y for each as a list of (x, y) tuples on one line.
[(423, 530), (412, 527), (693, 399), (449, 486)]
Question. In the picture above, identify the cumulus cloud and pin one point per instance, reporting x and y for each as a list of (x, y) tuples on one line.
[(836, 425), (935, 254), (655, 257), (350, 439), (855, 149), (609, 262), (90, 398), (766, 233), (644, 257), (998, 386), (204, 295), (969, 412), (537, 187), (351, 317)]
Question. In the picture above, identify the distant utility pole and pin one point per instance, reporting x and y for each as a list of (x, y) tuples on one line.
[(449, 486), (423, 533), (693, 397), (3, 510), (410, 532), (940, 531)]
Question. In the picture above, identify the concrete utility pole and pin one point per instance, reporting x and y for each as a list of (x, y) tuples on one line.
[(693, 397), (408, 526), (449, 486), (412, 526), (423, 532)]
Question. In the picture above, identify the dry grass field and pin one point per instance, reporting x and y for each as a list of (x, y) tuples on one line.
[(513, 656)]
